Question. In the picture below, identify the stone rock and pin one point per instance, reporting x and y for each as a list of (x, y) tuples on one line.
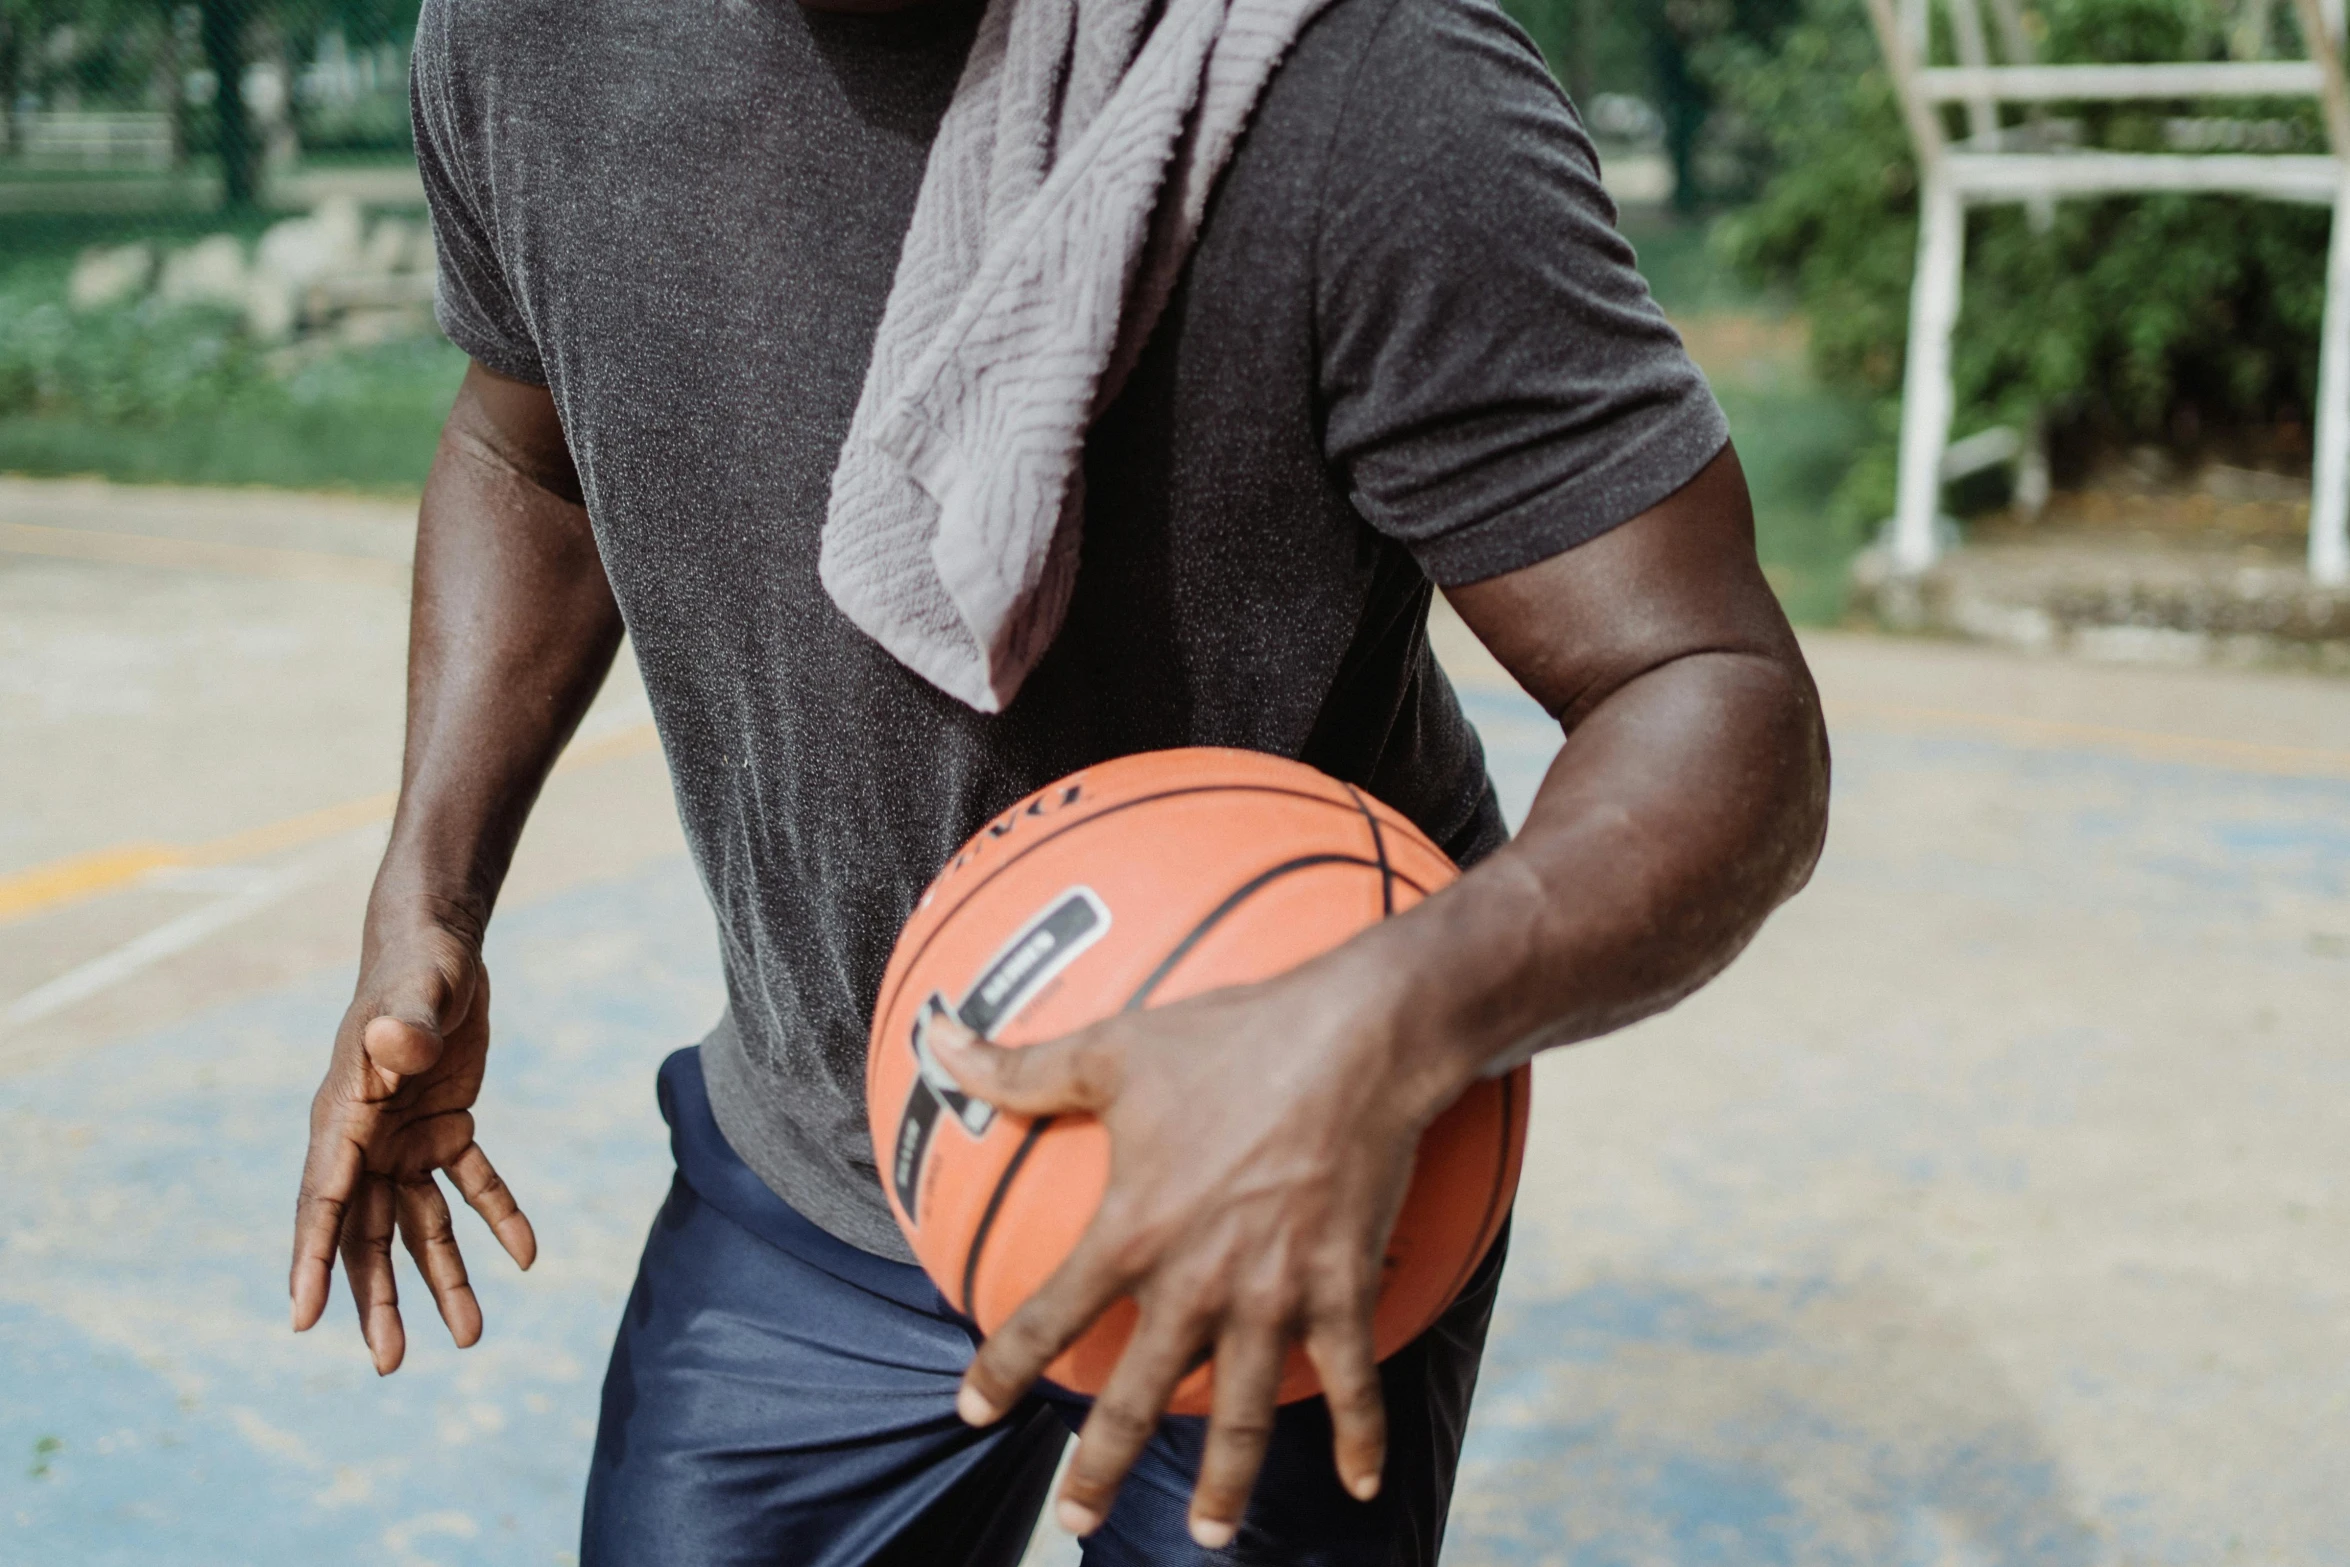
[(302, 250), (399, 245), (366, 328), (110, 275), (309, 273), (210, 272), (295, 251), (340, 219), (273, 306)]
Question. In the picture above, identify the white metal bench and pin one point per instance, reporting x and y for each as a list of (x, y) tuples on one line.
[(74, 139)]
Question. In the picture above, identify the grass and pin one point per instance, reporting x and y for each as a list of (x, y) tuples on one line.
[(201, 172), (37, 248), (144, 396), (1677, 258), (1795, 439), (1796, 445), (363, 420)]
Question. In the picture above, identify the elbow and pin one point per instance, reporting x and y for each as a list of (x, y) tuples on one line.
[(1797, 831), (1808, 815)]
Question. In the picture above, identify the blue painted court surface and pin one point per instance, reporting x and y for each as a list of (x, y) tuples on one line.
[(1991, 1211)]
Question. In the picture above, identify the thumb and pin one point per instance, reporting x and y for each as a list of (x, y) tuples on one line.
[(1072, 1073), (401, 1047), (414, 1015)]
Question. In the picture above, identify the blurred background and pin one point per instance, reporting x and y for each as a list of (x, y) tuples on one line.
[(214, 266), (231, 284), (1993, 1209)]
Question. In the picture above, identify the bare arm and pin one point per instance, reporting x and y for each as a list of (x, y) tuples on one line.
[(511, 632), (1688, 800)]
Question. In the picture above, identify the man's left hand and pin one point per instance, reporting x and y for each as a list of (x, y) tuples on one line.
[(1261, 1140)]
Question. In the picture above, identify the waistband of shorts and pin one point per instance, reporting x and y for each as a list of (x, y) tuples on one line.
[(707, 1162)]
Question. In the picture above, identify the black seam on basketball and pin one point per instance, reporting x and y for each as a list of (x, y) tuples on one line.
[(1157, 977), (1379, 848), (995, 1201), (882, 1007), (1215, 916)]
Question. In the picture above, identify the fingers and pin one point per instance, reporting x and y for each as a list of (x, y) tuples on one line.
[(1125, 1416), (485, 1193), (342, 1205), (1015, 1355), (1079, 1072), (368, 1113), (1240, 1428), (367, 1268), (1339, 1344), (425, 1228), (328, 1176)]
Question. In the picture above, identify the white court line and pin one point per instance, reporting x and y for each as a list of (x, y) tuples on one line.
[(616, 727), (259, 890)]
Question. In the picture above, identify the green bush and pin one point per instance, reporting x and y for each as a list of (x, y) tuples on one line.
[(150, 393), (378, 124), (141, 365), (2176, 320)]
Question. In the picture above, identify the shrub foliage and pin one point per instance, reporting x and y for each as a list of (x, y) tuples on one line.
[(2176, 320)]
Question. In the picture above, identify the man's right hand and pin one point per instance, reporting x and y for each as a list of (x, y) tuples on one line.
[(512, 626), (396, 1106)]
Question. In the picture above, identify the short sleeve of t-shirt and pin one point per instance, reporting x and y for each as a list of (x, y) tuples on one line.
[(1498, 385), (473, 301)]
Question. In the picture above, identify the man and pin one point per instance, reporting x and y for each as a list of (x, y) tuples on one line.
[(1408, 348)]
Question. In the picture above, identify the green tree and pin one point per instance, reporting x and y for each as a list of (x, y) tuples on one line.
[(1684, 37), (231, 34), (2142, 318), (223, 33), (23, 24)]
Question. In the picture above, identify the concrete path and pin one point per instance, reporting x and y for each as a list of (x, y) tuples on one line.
[(1993, 1209)]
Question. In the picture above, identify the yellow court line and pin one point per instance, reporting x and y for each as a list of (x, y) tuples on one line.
[(309, 827), (244, 560), (80, 876), (2243, 755)]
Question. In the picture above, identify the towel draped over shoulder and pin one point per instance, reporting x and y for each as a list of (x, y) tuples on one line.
[(1062, 195)]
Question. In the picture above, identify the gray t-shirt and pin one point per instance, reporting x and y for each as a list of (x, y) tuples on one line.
[(1410, 347)]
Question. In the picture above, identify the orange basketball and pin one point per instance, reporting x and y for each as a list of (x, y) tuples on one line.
[(1132, 884)]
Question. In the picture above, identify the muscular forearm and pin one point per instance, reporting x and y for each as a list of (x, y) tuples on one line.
[(513, 630), (1686, 807), (1688, 801)]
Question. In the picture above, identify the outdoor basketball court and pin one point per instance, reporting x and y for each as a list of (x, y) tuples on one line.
[(1992, 1210)]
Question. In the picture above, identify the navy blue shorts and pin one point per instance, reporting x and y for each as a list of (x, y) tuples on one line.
[(777, 1396)]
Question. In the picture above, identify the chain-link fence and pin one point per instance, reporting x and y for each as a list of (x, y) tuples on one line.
[(212, 103), (214, 263)]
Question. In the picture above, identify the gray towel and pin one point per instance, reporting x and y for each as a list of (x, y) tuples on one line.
[(1061, 197)]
